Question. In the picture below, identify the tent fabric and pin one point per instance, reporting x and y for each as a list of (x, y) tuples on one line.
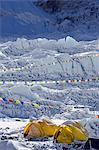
[(97, 116), (70, 132), (40, 128), (78, 125), (27, 128), (65, 133)]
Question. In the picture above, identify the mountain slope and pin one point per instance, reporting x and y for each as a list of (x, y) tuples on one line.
[(77, 18), (31, 19), (23, 19)]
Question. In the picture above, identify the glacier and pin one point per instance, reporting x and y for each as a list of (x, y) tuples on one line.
[(48, 59), (37, 66), (50, 62)]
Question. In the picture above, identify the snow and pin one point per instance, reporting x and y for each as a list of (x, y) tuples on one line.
[(44, 52), (48, 59), (70, 42), (12, 145), (42, 68), (18, 16), (12, 137), (26, 19), (92, 127)]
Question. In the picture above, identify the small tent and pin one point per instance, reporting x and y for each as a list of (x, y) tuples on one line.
[(65, 133), (70, 132), (40, 128)]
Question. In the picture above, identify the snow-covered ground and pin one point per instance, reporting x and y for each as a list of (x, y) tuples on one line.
[(11, 136), (46, 73), (52, 65)]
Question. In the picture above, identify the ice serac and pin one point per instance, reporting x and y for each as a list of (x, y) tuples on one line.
[(70, 42), (43, 59)]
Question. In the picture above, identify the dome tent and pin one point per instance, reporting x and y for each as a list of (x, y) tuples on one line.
[(40, 128), (65, 133), (70, 131)]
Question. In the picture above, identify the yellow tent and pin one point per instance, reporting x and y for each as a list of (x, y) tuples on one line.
[(65, 133), (70, 132), (40, 128)]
